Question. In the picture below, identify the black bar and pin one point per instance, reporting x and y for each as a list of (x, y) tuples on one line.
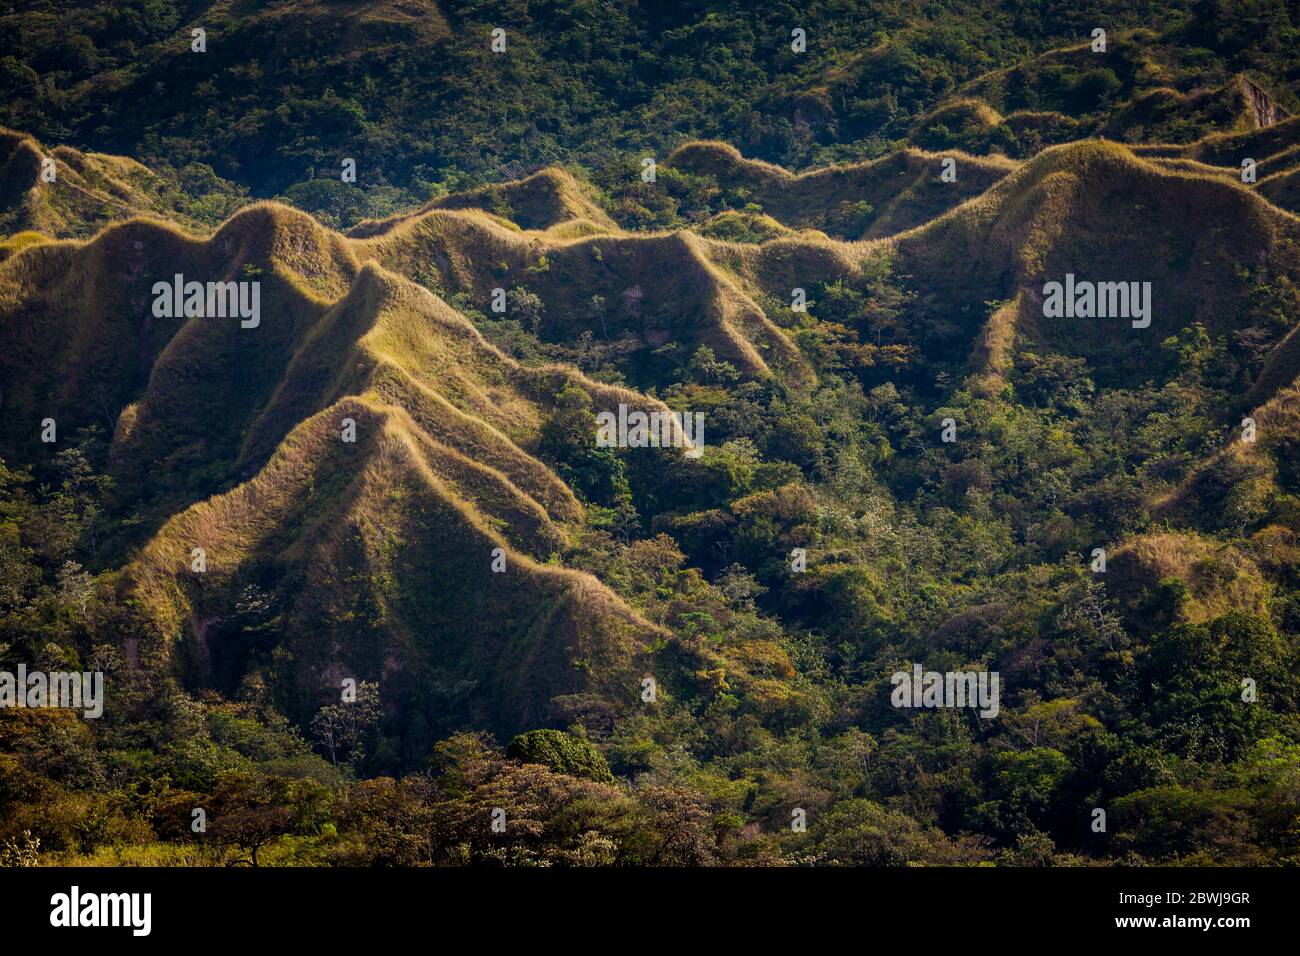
[(580, 907)]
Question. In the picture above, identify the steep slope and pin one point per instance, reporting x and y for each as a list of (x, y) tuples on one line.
[(1275, 150), (658, 288), (409, 514), (385, 537), (1275, 143), (1097, 211), (235, 440), (1283, 188), (1141, 86), (1102, 213), (1252, 466), (86, 340)]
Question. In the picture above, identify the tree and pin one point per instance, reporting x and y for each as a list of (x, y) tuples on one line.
[(251, 811), (568, 442), (863, 833), (562, 753), (527, 308), (707, 368), (674, 828), (342, 729)]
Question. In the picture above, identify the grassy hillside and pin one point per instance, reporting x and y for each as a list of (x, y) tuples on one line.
[(86, 190)]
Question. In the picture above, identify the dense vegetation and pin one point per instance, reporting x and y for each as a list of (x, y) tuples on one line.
[(279, 99), (1122, 690)]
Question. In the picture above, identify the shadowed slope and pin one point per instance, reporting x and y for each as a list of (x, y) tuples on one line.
[(396, 529), (1275, 150), (392, 536)]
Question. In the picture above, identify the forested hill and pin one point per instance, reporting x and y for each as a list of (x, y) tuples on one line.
[(412, 90)]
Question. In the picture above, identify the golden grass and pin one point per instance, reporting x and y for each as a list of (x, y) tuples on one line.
[(1230, 148), (1220, 577)]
